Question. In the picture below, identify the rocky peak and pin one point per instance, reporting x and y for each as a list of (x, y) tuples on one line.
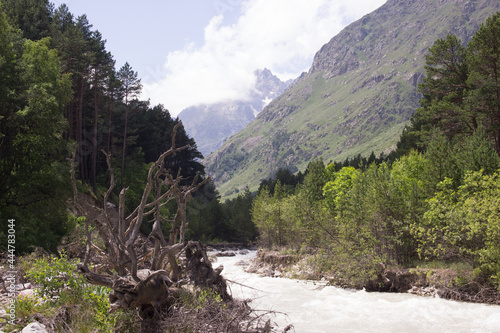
[(210, 124), (267, 87)]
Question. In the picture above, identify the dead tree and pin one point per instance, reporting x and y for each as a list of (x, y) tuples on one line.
[(149, 277)]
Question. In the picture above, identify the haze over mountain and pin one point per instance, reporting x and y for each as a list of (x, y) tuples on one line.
[(356, 98), (210, 124)]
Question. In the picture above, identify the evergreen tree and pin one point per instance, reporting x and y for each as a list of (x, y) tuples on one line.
[(461, 89), (241, 218), (188, 160), (153, 127), (314, 180), (101, 65), (131, 88), (33, 17), (484, 79), (441, 163), (444, 87), (34, 172)]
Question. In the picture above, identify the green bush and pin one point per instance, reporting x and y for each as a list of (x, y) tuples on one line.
[(61, 287), (55, 274), (465, 223)]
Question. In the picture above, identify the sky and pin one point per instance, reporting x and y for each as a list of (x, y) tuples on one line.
[(188, 52)]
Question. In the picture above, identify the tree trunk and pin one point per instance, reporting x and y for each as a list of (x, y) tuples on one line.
[(124, 144), (94, 141), (79, 127), (110, 118)]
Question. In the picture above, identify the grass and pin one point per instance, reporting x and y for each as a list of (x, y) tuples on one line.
[(458, 266)]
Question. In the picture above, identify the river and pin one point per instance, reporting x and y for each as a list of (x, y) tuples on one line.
[(312, 307)]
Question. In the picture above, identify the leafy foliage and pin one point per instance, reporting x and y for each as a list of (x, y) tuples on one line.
[(54, 274), (62, 287), (34, 173), (436, 198), (465, 223)]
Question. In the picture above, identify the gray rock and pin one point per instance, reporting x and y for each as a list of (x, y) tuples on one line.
[(35, 328), (23, 286)]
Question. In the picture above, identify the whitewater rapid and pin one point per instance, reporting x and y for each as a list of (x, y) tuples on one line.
[(312, 307)]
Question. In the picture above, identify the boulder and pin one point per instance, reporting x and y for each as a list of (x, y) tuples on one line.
[(35, 327), (27, 293)]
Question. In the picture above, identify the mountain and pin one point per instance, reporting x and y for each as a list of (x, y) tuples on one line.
[(356, 98), (210, 124)]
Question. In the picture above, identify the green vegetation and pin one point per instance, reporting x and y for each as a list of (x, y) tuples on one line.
[(33, 171), (433, 201), (60, 91), (386, 214), (436, 198), (64, 302), (61, 97), (460, 90), (211, 220)]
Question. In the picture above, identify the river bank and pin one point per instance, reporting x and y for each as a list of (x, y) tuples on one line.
[(317, 307), (445, 283)]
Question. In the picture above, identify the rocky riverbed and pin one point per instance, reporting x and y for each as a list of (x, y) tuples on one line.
[(418, 281), (21, 290)]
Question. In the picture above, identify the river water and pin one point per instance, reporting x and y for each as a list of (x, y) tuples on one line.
[(313, 307)]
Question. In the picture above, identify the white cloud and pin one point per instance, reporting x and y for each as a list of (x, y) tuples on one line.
[(282, 35)]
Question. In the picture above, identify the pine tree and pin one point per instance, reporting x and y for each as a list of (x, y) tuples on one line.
[(131, 88), (484, 80)]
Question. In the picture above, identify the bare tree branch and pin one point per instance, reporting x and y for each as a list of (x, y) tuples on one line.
[(147, 268)]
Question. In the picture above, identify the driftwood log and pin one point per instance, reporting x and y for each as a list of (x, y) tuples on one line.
[(149, 278)]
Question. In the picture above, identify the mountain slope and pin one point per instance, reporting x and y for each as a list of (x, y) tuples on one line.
[(356, 98), (210, 124)]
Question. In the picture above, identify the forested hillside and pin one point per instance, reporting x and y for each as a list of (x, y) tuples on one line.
[(60, 91), (434, 201), (97, 188)]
